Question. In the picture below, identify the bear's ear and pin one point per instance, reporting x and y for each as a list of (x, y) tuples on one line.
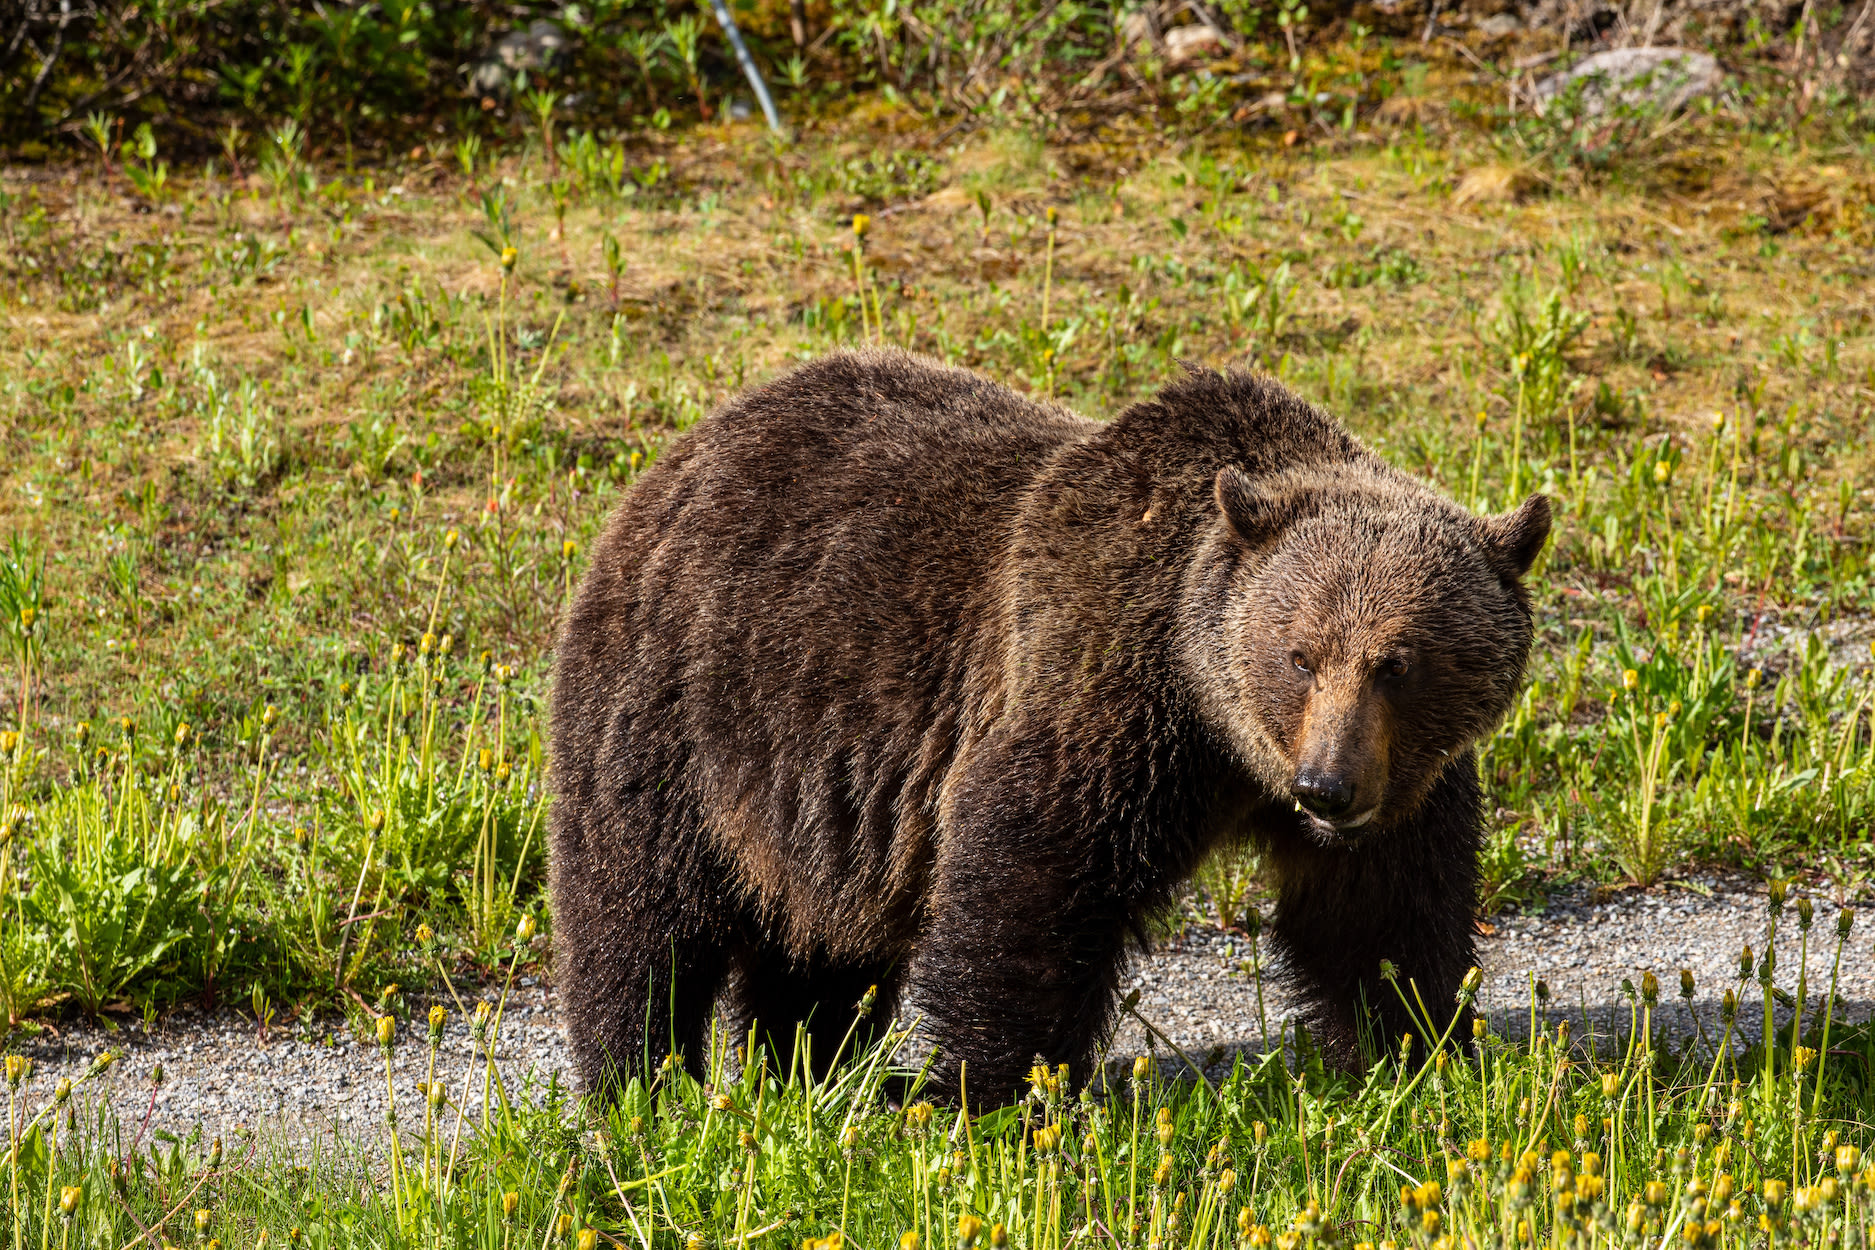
[(1514, 539), (1256, 511)]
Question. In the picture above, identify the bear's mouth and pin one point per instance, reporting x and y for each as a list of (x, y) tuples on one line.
[(1346, 827)]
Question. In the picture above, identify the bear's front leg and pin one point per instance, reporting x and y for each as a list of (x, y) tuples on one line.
[(1025, 928), (1406, 895), (1009, 973)]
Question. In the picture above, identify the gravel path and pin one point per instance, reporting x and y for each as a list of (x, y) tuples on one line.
[(1196, 989)]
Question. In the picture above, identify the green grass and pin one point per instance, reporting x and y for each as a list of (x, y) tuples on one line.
[(1602, 1141)]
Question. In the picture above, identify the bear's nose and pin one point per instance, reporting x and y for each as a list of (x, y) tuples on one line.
[(1328, 795)]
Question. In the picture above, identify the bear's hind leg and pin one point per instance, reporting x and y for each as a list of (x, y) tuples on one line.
[(639, 949)]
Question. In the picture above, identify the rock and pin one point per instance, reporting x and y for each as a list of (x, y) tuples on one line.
[(1493, 184), (539, 48), (1501, 26), (949, 200), (1191, 43), (1666, 79)]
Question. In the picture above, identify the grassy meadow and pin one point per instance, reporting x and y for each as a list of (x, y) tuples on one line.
[(300, 455)]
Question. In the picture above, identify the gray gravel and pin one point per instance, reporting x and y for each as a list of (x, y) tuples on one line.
[(1581, 946), (321, 1081)]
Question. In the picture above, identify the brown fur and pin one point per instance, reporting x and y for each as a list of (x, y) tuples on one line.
[(887, 675)]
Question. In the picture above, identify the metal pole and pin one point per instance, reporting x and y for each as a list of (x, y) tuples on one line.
[(754, 75)]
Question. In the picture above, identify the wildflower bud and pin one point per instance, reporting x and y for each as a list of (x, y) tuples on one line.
[(1686, 984), (1848, 1158), (156, 1075), (1468, 988), (450, 538), (485, 759), (1479, 419), (1754, 678), (1845, 921), (1141, 1065), (509, 1201), (439, 1015), (61, 1091), (426, 644), (300, 837), (1803, 1057), (1663, 469), (1630, 679), (203, 1218), (861, 223), (18, 1068), (1582, 1127), (387, 1031), (969, 1228), (268, 714), (1774, 897), (1656, 1193), (425, 935), (1542, 990), (182, 733), (1774, 1193), (376, 822), (1660, 720), (82, 733), (503, 771), (1162, 1175), (1259, 1133), (524, 931), (1745, 962), (1703, 613), (509, 256), (293, 1236), (568, 549), (1650, 988), (447, 645), (588, 1239), (68, 1201), (1806, 913), (127, 727)]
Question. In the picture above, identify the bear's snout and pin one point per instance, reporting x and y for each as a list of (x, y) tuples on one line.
[(1340, 775), (1329, 795)]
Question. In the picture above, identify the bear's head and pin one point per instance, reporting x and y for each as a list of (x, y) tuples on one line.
[(1363, 632)]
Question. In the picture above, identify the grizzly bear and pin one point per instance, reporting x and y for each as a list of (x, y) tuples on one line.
[(884, 675)]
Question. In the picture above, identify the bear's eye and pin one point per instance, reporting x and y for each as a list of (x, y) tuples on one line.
[(1396, 666), (1301, 662)]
